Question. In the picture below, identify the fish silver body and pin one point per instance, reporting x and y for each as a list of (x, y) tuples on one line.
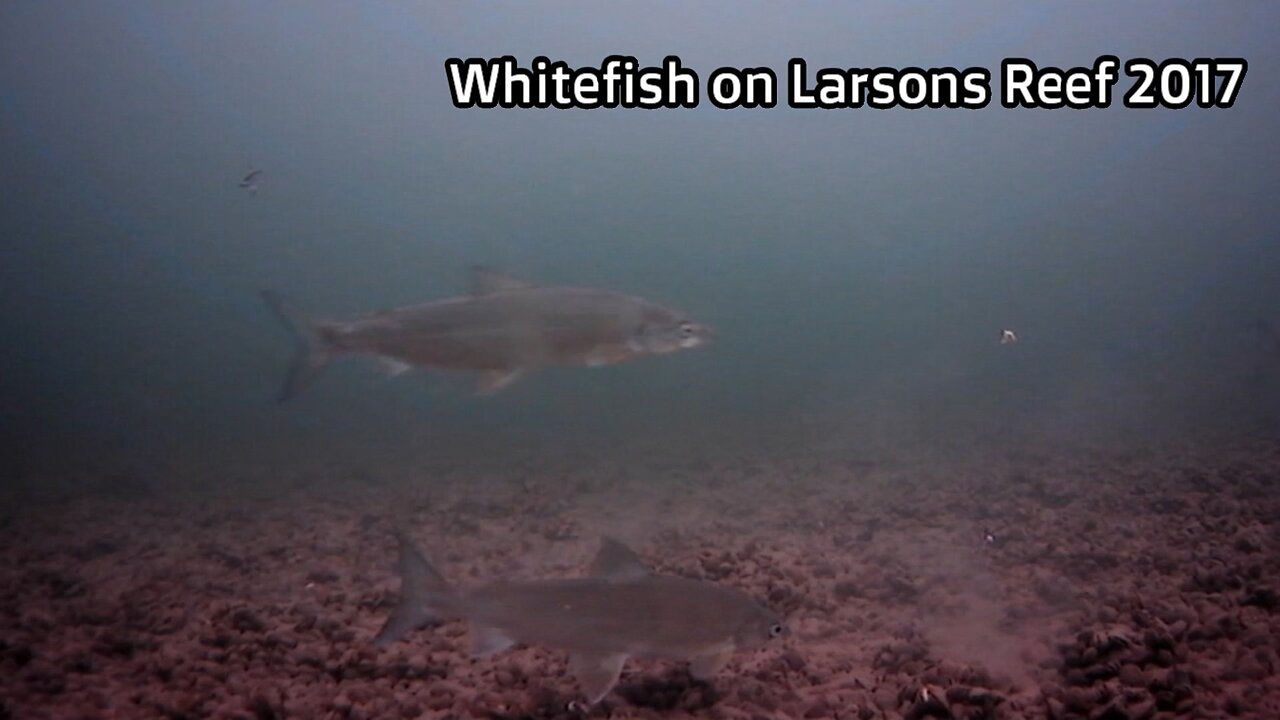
[(503, 329), (621, 610)]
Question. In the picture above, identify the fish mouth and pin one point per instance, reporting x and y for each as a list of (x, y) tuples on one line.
[(703, 335)]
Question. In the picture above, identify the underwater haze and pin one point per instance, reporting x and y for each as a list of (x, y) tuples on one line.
[(857, 264), (858, 267)]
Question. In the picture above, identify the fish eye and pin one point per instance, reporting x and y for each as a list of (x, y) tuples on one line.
[(686, 329), (776, 629)]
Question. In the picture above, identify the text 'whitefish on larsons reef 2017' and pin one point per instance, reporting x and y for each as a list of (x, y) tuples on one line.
[(623, 82)]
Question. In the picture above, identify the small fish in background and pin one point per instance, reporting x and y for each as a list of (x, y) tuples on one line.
[(620, 610), (1008, 337), (504, 329), (250, 181)]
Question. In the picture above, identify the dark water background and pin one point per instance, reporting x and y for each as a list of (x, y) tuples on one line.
[(858, 265)]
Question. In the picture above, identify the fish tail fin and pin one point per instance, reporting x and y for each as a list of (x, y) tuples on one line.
[(312, 354), (424, 595)]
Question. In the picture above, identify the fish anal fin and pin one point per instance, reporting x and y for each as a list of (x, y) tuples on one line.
[(488, 640), (596, 673), (706, 665), (491, 382), (392, 367), (486, 281), (615, 561)]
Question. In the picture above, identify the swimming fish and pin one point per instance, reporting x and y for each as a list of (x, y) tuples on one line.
[(505, 328), (250, 180), (1008, 337), (620, 610)]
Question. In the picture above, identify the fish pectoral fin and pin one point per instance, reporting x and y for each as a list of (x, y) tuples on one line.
[(486, 281), (596, 673), (607, 355), (705, 666), (615, 561), (488, 640), (392, 367), (492, 381)]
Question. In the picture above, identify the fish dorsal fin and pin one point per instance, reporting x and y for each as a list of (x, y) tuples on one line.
[(420, 588), (616, 561), (486, 281)]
